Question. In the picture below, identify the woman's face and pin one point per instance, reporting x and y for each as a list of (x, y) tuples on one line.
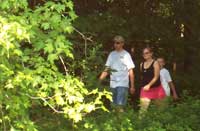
[(147, 54)]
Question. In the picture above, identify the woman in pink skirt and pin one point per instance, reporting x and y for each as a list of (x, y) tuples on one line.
[(151, 85)]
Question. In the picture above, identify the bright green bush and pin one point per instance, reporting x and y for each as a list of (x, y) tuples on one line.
[(181, 117), (32, 42)]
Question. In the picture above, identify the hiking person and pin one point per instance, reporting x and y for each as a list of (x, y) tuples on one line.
[(166, 79), (119, 66), (151, 88)]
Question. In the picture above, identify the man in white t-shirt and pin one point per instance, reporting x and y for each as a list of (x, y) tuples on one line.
[(120, 66), (166, 79)]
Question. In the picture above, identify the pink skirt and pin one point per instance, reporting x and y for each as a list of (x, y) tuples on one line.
[(153, 93)]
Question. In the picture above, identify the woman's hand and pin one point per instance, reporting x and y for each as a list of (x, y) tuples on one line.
[(147, 87)]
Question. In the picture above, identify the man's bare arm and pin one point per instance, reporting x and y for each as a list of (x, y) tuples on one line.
[(132, 81)]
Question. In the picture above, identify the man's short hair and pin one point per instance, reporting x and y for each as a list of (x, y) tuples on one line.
[(118, 38), (161, 57)]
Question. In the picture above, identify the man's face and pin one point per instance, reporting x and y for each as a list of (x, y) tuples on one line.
[(161, 61), (118, 45)]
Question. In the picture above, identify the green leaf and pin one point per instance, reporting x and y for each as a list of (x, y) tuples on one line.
[(18, 52), (70, 5), (45, 26), (69, 29), (49, 48), (52, 57)]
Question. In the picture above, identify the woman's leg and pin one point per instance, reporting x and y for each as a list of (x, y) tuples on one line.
[(144, 104), (161, 103)]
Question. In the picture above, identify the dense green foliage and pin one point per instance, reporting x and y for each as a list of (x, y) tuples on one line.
[(179, 117), (182, 117), (33, 42), (51, 59)]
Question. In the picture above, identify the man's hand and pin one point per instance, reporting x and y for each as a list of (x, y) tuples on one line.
[(132, 90), (175, 97), (103, 75), (147, 87)]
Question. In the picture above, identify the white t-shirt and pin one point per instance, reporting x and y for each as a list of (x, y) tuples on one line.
[(120, 62), (165, 79)]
